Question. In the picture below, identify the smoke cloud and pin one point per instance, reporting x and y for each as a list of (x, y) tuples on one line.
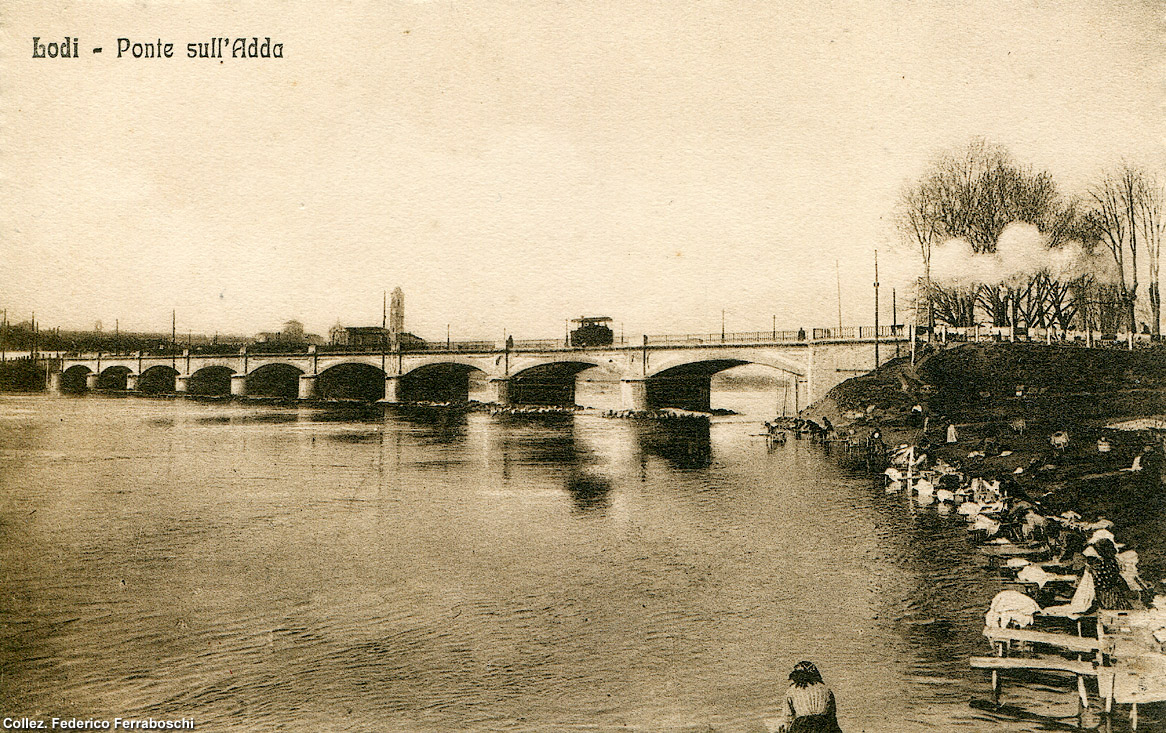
[(1022, 251)]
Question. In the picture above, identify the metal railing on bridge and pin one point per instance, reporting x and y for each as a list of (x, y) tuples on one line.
[(422, 346), (850, 333), (734, 337), (859, 333)]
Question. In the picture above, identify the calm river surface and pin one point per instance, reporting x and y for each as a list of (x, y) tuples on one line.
[(260, 567)]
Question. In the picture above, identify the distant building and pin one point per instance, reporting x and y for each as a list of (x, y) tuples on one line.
[(291, 333), (375, 337), (366, 336), (372, 337)]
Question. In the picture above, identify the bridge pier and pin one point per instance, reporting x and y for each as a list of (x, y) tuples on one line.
[(498, 390), (182, 384), (651, 393), (686, 393), (91, 381), (131, 382), (55, 382), (559, 392), (239, 385), (633, 394), (394, 389), (307, 387)]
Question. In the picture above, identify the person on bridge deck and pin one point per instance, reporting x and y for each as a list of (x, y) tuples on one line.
[(809, 704)]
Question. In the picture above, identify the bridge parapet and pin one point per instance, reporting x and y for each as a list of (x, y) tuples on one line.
[(736, 337)]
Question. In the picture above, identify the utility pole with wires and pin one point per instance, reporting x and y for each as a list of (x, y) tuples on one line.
[(876, 304), (895, 321)]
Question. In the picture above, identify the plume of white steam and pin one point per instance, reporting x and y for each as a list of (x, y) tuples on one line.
[(1021, 252), (955, 263)]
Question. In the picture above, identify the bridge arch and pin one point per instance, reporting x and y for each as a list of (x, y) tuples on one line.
[(351, 381), (212, 379), (158, 379), (438, 381), (113, 377), (547, 383), (274, 379), (73, 379), (688, 384), (722, 361)]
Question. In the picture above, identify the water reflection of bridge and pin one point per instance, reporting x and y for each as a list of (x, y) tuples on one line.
[(570, 448), (662, 371)]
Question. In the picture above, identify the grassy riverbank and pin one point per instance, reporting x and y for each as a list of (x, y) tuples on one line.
[(985, 390)]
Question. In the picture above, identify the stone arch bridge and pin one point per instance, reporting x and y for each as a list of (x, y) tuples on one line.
[(652, 375)]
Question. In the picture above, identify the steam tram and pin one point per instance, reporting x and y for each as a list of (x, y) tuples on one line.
[(592, 331)]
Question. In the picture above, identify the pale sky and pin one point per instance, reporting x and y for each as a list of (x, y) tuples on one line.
[(510, 165)]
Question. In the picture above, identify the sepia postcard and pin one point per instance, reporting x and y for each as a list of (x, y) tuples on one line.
[(429, 365)]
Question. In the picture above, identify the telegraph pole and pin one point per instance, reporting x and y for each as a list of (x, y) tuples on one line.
[(876, 294), (895, 321)]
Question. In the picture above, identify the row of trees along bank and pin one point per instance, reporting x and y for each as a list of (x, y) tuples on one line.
[(1001, 242)]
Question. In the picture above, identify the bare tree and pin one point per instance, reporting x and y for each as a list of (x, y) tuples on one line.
[(1152, 229), (917, 221), (973, 194), (954, 306), (1118, 219)]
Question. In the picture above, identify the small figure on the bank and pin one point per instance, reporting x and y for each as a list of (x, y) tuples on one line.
[(1127, 563), (1033, 526), (991, 447), (1101, 585), (1103, 445), (809, 704), (827, 428), (1148, 453), (1059, 440), (916, 419), (1135, 466), (1018, 425), (1111, 589), (1072, 546)]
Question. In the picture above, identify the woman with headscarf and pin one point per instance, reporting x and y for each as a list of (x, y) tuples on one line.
[(809, 704), (1101, 584), (1111, 589)]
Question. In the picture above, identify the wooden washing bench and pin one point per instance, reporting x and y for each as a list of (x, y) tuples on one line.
[(1080, 667)]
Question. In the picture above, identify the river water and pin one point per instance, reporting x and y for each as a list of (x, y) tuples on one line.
[(262, 567)]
